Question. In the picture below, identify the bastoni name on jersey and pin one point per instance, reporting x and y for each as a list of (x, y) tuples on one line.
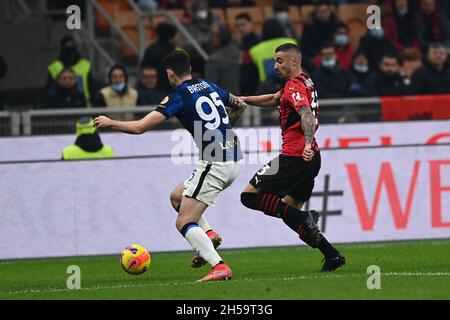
[(198, 87)]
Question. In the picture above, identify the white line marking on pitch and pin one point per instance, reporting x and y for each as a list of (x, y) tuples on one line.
[(306, 277)]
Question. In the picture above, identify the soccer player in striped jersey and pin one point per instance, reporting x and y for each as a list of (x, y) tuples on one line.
[(281, 187), (200, 106)]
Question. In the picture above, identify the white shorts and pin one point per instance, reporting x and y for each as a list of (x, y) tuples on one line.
[(209, 179)]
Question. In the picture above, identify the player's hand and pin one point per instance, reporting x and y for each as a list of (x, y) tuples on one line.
[(102, 122), (308, 153), (242, 98)]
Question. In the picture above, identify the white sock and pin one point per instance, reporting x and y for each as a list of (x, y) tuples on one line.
[(202, 223), (200, 242)]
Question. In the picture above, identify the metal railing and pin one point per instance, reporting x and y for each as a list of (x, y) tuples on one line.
[(59, 121), (171, 18), (9, 123)]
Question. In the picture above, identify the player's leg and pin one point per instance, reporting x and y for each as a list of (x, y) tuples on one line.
[(272, 176), (175, 199), (187, 224), (333, 258)]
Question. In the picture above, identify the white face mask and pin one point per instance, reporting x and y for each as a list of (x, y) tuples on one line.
[(403, 11), (202, 14), (360, 68), (283, 17), (329, 64)]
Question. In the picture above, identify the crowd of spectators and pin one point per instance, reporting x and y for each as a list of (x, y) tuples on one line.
[(241, 57)]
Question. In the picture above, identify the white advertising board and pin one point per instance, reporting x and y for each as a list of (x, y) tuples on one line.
[(100, 206), (252, 139)]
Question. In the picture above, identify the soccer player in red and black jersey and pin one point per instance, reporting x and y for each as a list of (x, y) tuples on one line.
[(281, 187)]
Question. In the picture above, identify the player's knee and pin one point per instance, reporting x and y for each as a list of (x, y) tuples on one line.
[(175, 200), (180, 223), (250, 200)]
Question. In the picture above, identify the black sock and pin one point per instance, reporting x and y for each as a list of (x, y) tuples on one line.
[(327, 249)]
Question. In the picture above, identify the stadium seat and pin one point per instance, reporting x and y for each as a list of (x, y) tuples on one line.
[(357, 30), (128, 21), (110, 7), (178, 13), (350, 12)]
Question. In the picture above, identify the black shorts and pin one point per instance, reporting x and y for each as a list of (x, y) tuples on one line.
[(287, 175)]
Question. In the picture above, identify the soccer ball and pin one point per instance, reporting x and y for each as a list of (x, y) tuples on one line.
[(135, 259)]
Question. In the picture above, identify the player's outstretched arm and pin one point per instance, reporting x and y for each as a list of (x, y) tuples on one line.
[(265, 101), (132, 127), (236, 108), (309, 128)]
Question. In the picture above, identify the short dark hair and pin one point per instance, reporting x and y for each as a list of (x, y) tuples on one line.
[(435, 45), (147, 68), (343, 26), (391, 55), (326, 45), (118, 67), (280, 6), (165, 31), (244, 16), (285, 47), (178, 62), (272, 28)]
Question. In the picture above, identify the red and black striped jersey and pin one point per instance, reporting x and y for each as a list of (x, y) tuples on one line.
[(297, 92)]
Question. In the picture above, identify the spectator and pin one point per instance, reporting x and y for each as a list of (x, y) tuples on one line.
[(118, 94), (156, 52), (360, 70), (320, 30), (148, 93), (223, 64), (400, 29), (434, 75), (281, 12), (332, 81), (147, 5), (88, 144), (203, 22), (248, 73), (432, 25), (374, 45), (69, 57), (262, 54), (387, 80), (342, 46), (3, 71), (64, 93)]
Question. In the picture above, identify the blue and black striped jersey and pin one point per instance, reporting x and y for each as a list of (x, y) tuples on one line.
[(200, 107)]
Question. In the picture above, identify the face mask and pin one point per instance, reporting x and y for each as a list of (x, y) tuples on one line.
[(341, 40), (377, 33), (203, 14), (361, 69), (283, 16), (329, 63), (118, 87), (403, 11)]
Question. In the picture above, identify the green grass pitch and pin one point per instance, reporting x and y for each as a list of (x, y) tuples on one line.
[(409, 270)]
